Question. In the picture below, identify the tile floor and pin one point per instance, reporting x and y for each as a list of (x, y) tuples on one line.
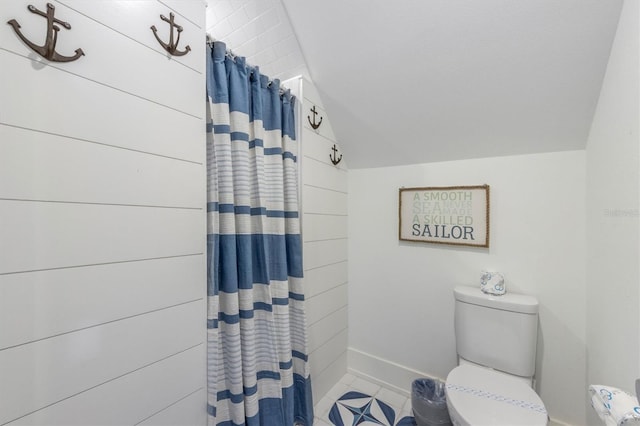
[(401, 404)]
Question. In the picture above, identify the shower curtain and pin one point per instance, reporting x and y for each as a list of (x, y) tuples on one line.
[(257, 371)]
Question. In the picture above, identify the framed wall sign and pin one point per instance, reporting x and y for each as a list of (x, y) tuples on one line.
[(445, 215)]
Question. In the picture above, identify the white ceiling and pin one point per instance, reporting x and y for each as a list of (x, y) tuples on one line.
[(414, 81)]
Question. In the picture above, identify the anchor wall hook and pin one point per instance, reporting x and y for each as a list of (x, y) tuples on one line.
[(334, 159), (314, 124), (171, 47), (48, 50)]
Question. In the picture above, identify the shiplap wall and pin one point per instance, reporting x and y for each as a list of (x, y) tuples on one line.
[(102, 223), (324, 234)]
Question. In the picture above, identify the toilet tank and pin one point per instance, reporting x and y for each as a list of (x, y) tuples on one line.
[(498, 332)]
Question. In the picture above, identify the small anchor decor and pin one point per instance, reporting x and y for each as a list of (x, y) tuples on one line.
[(314, 124), (171, 47), (48, 50), (335, 160)]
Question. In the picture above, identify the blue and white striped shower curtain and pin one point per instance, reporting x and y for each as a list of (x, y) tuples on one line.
[(257, 349)]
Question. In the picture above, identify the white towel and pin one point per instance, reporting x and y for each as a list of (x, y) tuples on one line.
[(492, 283), (614, 406)]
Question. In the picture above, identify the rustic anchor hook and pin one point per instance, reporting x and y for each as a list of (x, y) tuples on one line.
[(171, 47), (48, 50), (314, 124), (335, 160)]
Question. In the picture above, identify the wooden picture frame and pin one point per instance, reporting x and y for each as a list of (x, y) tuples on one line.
[(457, 215)]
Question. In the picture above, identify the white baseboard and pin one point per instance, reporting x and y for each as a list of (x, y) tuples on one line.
[(383, 372)]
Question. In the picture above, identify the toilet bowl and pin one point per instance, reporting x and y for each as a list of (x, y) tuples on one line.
[(478, 396)]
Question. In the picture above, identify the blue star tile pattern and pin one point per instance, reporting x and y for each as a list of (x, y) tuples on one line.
[(356, 408)]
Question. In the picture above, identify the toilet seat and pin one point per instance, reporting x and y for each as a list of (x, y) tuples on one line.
[(479, 396)]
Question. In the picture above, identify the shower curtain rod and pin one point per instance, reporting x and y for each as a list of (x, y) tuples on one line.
[(232, 56), (229, 53)]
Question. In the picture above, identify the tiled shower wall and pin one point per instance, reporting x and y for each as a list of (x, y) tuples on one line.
[(259, 30)]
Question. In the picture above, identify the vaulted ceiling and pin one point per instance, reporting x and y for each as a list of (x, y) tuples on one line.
[(416, 81)]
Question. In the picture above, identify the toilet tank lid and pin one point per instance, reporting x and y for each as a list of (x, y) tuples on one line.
[(513, 302)]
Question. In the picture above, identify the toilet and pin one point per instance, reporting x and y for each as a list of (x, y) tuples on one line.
[(496, 339)]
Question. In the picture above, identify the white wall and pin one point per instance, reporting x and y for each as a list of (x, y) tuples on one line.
[(613, 184), (324, 234), (400, 293), (324, 192), (102, 232)]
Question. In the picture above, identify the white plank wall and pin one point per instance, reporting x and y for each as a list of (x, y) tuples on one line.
[(102, 218), (324, 224)]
